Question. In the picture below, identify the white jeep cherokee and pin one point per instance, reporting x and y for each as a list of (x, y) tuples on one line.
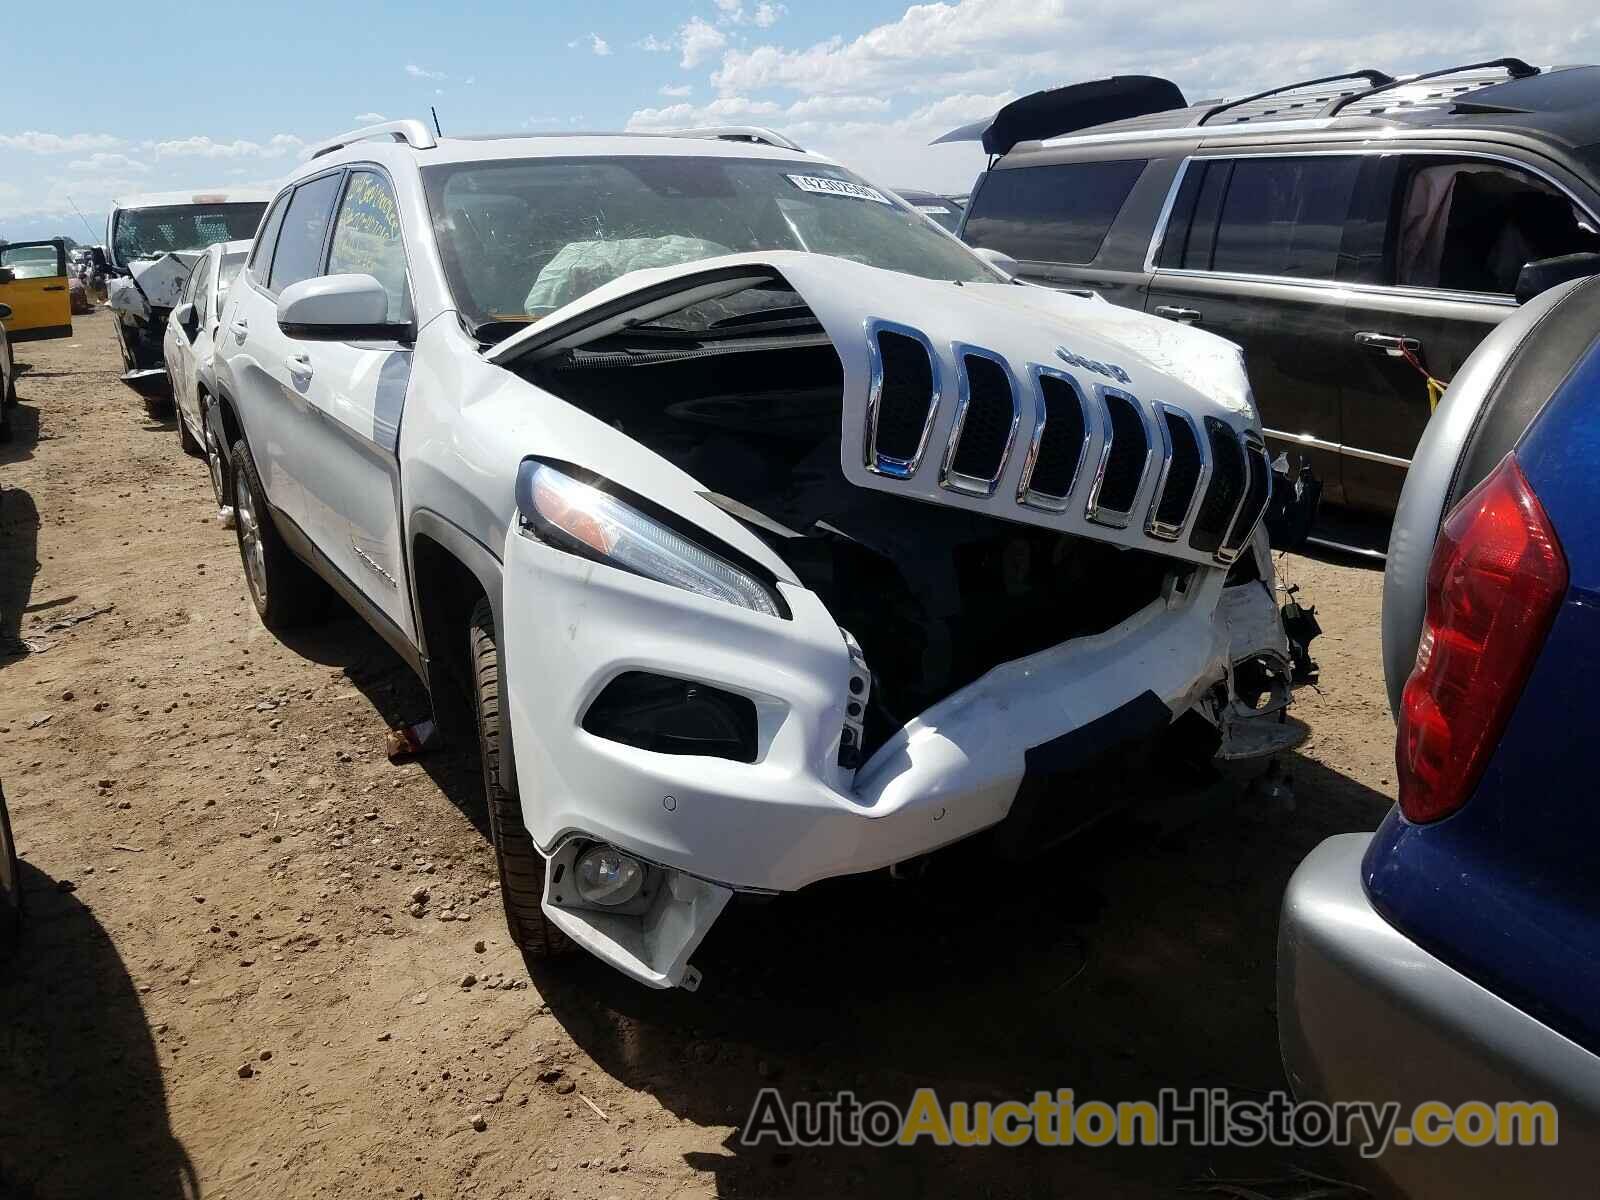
[(771, 533)]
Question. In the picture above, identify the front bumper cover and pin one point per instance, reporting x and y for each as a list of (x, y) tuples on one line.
[(795, 816)]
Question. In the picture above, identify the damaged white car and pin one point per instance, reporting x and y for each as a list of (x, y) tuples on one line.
[(152, 244), (766, 532)]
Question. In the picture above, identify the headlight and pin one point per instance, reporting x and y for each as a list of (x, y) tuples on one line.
[(584, 520)]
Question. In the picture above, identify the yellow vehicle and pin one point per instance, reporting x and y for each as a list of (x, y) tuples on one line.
[(33, 282)]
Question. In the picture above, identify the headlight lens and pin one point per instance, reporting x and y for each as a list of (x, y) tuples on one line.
[(581, 518)]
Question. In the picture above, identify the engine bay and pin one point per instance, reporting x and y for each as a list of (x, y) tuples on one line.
[(935, 596)]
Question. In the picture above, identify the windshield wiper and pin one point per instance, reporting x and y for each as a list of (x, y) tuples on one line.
[(762, 316)]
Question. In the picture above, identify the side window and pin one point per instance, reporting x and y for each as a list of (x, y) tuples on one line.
[(195, 292), (1058, 213), (305, 224), (261, 252), (1278, 216), (367, 241), (1470, 226)]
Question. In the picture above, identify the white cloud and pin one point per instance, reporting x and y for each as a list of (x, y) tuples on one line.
[(201, 146), (35, 142), (599, 45), (676, 89), (889, 150), (724, 110), (103, 161), (729, 8), (417, 72), (1207, 46), (832, 106), (699, 40), (369, 118), (766, 15), (654, 44)]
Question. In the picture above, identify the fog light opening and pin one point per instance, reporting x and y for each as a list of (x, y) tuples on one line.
[(606, 877)]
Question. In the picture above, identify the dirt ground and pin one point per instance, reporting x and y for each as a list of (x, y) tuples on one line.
[(221, 990)]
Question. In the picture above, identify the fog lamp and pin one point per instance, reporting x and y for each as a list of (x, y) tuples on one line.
[(607, 877)]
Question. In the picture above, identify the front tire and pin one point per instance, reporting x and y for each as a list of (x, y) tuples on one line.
[(520, 863), (284, 590)]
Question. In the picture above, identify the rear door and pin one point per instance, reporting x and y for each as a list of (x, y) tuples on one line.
[(355, 392), (1446, 235), (36, 289), (1055, 218), (1251, 251)]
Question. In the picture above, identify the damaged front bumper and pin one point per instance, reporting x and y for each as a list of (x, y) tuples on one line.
[(708, 826)]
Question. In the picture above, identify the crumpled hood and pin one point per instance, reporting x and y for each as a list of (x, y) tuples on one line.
[(154, 283), (1024, 403)]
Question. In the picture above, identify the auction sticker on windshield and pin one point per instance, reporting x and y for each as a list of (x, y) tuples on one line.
[(837, 187)]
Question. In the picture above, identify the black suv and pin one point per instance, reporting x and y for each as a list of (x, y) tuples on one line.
[(1356, 234)]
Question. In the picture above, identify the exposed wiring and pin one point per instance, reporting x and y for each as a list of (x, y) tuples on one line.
[(1436, 387)]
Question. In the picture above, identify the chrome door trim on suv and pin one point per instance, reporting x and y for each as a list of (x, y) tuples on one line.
[(1393, 147)]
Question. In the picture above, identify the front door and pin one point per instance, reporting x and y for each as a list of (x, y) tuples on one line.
[(357, 391), (1455, 233), (33, 281), (1251, 252)]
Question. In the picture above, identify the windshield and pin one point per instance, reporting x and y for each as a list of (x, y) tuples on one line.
[(152, 232), (521, 238)]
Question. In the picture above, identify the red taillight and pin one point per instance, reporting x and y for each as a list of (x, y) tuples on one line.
[(1496, 581)]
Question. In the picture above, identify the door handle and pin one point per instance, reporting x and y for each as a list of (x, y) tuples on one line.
[(1393, 344), (1183, 316), (299, 366), (55, 287), (240, 328)]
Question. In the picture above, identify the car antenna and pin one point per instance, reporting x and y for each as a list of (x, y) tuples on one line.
[(437, 131), (82, 218)]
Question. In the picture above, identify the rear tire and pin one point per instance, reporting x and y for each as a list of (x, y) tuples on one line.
[(217, 465), (186, 439), (284, 590), (521, 865)]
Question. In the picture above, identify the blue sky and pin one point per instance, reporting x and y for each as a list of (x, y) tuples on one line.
[(102, 99)]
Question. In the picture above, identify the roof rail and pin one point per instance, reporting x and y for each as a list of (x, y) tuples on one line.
[(1514, 67), (737, 133), (412, 132), (1376, 79)]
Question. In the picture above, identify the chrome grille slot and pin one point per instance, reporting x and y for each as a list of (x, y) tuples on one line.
[(1225, 491), (984, 425), (1183, 468), (1060, 442), (1257, 492), (1123, 460), (902, 399)]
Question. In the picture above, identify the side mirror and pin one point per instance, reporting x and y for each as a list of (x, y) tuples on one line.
[(7, 275), (184, 315), (994, 258), (338, 308), (5, 312), (1545, 273)]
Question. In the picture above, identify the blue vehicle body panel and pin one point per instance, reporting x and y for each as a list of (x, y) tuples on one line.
[(1507, 889)]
